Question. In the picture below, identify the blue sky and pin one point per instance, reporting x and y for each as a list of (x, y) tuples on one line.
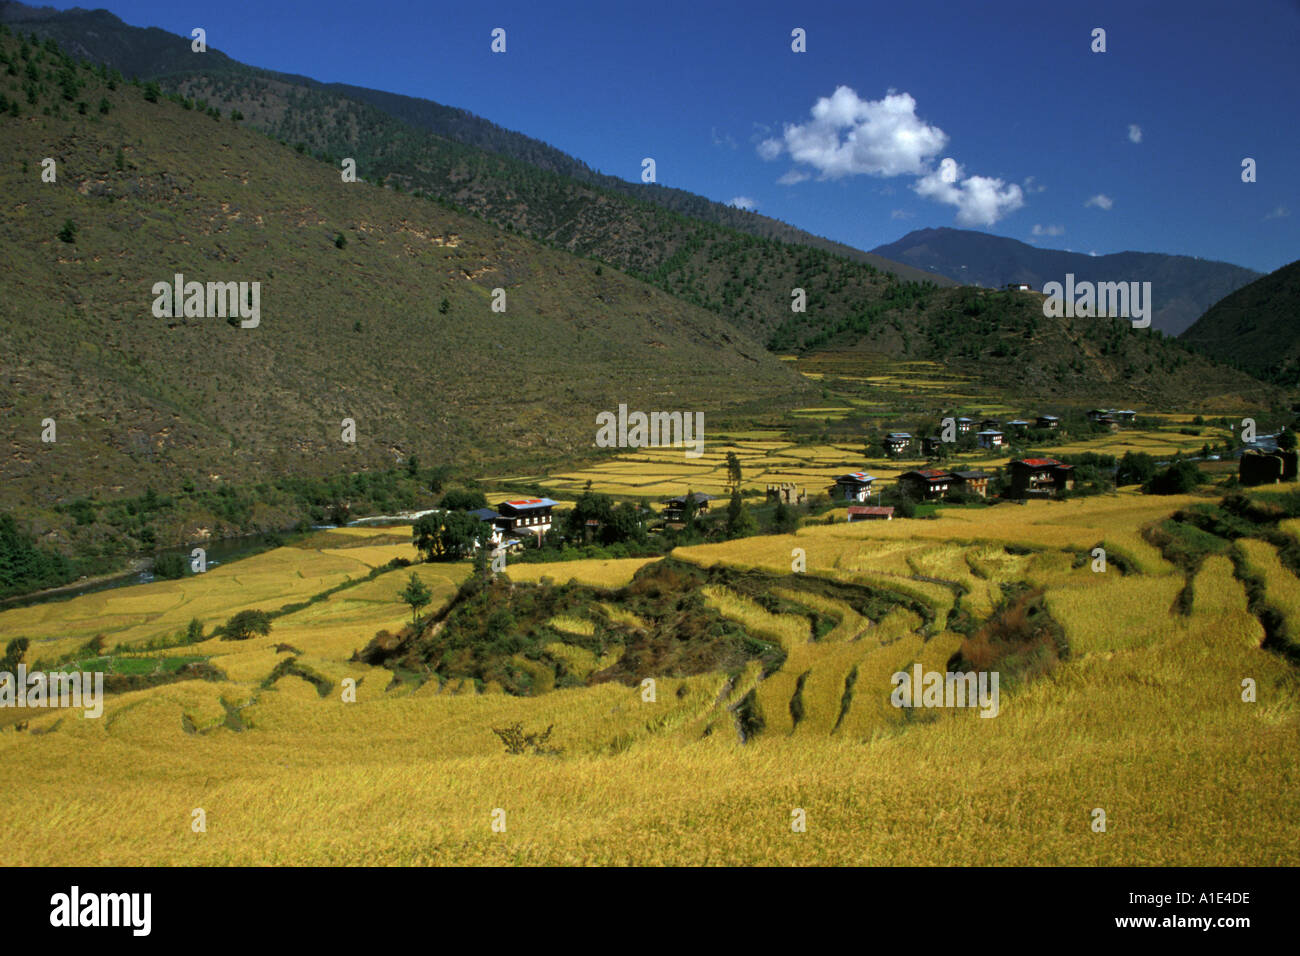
[(1139, 147)]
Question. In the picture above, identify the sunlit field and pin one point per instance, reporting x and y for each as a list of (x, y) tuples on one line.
[(1143, 718)]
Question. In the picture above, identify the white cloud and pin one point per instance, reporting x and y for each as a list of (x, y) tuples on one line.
[(848, 135), (1101, 201), (1031, 187), (793, 176), (1134, 133), (900, 214), (1281, 212), (723, 139), (743, 202), (1093, 253), (980, 200), (1049, 230)]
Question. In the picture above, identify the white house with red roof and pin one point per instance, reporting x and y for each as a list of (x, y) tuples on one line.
[(855, 486), (526, 515)]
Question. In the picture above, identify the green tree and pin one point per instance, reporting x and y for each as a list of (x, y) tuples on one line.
[(1286, 440), (740, 522), (69, 231), (1178, 479), (151, 92), (417, 595), (194, 633), (246, 624), (449, 535), (733, 469), (463, 499)]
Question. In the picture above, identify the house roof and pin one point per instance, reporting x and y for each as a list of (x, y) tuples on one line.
[(901, 435), (971, 475), (855, 478), (1052, 418), (965, 419), (928, 474), (527, 504), (989, 431), (1040, 463), (871, 509), (485, 514), (699, 497)]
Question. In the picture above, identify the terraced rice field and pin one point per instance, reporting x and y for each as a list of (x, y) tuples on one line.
[(293, 770)]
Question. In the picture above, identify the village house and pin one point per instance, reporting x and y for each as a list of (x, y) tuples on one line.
[(975, 482), (855, 486), (1048, 421), (871, 513), (931, 446), (1125, 416), (990, 424), (787, 492), (1019, 424), (1263, 468), (1040, 477), (675, 507), (927, 484), (526, 516), (964, 425), (990, 439), (497, 523), (896, 443)]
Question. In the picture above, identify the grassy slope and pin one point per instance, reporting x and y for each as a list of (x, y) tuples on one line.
[(139, 398), (1255, 327)]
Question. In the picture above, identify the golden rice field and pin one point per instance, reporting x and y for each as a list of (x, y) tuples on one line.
[(1144, 719)]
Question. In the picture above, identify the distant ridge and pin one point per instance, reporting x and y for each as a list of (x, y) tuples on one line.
[(1182, 287)]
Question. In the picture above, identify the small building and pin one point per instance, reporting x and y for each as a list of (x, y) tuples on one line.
[(1019, 424), (787, 492), (1096, 414), (990, 438), (855, 486), (675, 507), (871, 513), (1048, 421), (496, 521), (931, 446), (990, 424), (964, 425), (1020, 287), (927, 484), (1110, 421), (1125, 416), (526, 516), (896, 443), (1040, 477), (974, 482), (1261, 468)]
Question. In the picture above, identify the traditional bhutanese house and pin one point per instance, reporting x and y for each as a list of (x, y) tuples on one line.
[(526, 516), (1260, 468), (855, 486), (497, 522), (990, 424), (1125, 416), (675, 507), (964, 425), (1040, 477), (1019, 424), (871, 513), (976, 482), (1048, 421), (930, 446), (1110, 421), (989, 438), (1095, 414), (926, 484), (896, 443)]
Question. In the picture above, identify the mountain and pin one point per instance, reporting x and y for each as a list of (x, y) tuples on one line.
[(1255, 327), (1182, 286), (325, 117), (374, 306)]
